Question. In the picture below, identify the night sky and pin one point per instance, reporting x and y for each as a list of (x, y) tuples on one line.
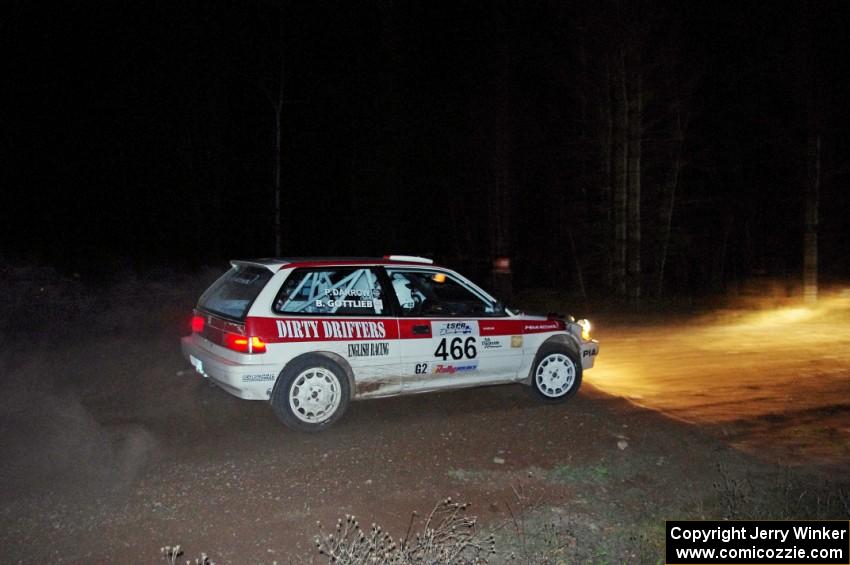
[(141, 134)]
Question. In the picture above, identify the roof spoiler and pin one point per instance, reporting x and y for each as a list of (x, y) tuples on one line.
[(409, 259), (271, 267)]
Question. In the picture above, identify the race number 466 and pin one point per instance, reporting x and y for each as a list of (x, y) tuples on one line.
[(456, 348)]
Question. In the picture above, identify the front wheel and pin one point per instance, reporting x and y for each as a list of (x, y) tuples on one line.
[(310, 394), (556, 374)]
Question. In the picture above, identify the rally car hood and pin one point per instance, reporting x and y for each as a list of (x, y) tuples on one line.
[(531, 316)]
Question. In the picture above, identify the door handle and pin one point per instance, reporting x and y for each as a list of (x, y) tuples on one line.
[(421, 329)]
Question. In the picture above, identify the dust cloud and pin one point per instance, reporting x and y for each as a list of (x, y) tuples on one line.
[(51, 440), (87, 374)]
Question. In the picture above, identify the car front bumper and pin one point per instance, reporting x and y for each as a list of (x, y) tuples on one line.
[(589, 351)]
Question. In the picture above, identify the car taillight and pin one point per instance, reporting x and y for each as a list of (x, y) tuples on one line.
[(244, 344), (198, 324)]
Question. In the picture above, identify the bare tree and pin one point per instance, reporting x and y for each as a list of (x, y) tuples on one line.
[(277, 103), (272, 86), (620, 168), (811, 189), (676, 123), (667, 197), (606, 136), (810, 232), (500, 146), (635, 125)]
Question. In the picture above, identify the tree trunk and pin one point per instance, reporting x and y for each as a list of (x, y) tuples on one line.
[(213, 145), (668, 199), (813, 100), (277, 237), (810, 234), (619, 168), (576, 264), (605, 148), (633, 244), (278, 114), (501, 205)]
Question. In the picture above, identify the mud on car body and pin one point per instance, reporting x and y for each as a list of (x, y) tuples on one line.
[(310, 335)]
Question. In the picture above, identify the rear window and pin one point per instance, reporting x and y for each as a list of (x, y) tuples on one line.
[(231, 296)]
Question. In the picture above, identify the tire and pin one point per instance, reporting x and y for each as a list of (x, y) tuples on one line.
[(556, 374), (310, 394)]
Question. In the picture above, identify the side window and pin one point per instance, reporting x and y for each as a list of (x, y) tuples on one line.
[(432, 293), (337, 291)]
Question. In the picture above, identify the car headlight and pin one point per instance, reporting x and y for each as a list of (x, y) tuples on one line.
[(585, 329)]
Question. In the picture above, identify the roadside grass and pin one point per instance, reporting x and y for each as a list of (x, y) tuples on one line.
[(588, 529), (467, 475), (598, 473), (447, 535), (783, 496)]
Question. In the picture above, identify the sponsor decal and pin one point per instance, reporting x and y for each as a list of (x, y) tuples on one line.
[(456, 328), (441, 369), (262, 377), (542, 326), (369, 349), (330, 303), (325, 329), (341, 298), (516, 341), (490, 343), (589, 352), (297, 328), (363, 293)]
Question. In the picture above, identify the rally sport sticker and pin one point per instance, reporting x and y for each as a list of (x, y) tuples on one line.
[(369, 349), (451, 369), (262, 377)]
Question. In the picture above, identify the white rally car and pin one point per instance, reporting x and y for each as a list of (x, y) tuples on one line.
[(310, 335)]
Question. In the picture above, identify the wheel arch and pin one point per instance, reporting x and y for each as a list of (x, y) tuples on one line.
[(566, 340), (335, 357)]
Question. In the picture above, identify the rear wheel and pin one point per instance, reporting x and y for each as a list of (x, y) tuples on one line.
[(556, 374), (310, 394)]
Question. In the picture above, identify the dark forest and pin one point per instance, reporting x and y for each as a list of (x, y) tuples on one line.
[(614, 148)]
